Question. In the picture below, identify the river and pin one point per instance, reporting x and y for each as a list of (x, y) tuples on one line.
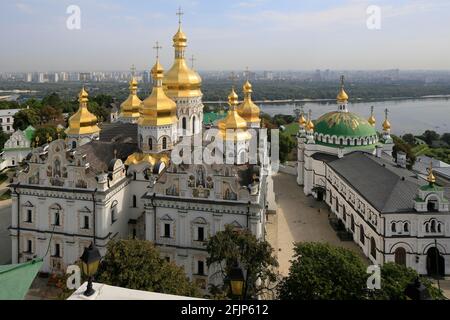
[(405, 116)]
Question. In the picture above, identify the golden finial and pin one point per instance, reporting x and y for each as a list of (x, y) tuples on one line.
[(431, 178), (342, 96), (310, 125), (233, 99), (372, 119), (386, 123)]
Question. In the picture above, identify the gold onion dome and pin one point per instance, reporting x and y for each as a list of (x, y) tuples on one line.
[(342, 96), (302, 120), (310, 125), (372, 121), (248, 109), (83, 121), (233, 122), (386, 125), (158, 109), (180, 80), (130, 108), (152, 159)]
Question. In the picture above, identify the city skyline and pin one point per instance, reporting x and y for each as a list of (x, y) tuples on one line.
[(260, 34)]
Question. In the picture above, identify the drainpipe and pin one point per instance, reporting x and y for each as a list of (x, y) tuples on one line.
[(93, 215), (154, 218), (18, 221)]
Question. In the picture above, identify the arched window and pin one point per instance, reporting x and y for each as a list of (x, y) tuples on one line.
[(348, 141), (150, 144), (373, 248), (183, 123), (439, 228), (164, 143), (400, 256), (114, 212), (394, 227), (433, 226), (362, 237), (352, 224), (134, 201), (406, 227), (74, 144)]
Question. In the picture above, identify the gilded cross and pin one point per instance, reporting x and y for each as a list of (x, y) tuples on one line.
[(180, 13), (157, 48)]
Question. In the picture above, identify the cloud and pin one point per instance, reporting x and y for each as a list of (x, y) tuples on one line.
[(249, 4)]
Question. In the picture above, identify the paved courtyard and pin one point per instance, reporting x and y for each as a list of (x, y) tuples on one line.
[(299, 219)]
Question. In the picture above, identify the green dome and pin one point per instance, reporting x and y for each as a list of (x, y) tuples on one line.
[(344, 124)]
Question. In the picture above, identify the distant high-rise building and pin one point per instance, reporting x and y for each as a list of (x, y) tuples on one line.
[(268, 75), (85, 76), (146, 77), (29, 77)]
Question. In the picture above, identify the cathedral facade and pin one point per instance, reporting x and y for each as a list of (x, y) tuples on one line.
[(390, 212), (121, 181)]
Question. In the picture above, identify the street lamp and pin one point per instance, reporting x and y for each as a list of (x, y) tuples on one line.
[(236, 281), (417, 291), (90, 259)]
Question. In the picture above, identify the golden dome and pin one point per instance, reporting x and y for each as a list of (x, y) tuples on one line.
[(152, 159), (372, 121), (386, 125), (310, 125), (431, 178), (248, 109), (234, 122), (302, 120), (158, 109), (83, 121), (131, 106), (180, 80)]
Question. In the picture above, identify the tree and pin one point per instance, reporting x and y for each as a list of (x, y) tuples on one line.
[(400, 145), (446, 138), (3, 138), (394, 280), (287, 143), (137, 264), (100, 112), (429, 136), (24, 118), (103, 100), (53, 100), (254, 256), (409, 138), (320, 271), (44, 133)]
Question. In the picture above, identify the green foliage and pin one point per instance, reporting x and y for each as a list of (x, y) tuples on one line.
[(45, 132), (409, 139), (100, 112), (400, 145), (394, 280), (3, 138), (446, 138), (26, 117), (287, 143), (254, 256), (320, 272), (103, 100), (137, 264), (429, 136), (9, 105)]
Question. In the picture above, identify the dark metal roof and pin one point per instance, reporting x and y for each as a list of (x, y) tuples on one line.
[(324, 157), (119, 132), (385, 186)]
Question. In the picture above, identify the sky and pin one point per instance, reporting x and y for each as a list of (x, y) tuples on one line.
[(226, 35)]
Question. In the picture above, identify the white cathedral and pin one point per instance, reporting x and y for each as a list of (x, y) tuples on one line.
[(119, 181), (391, 212)]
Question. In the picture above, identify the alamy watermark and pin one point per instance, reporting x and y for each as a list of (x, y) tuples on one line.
[(73, 22), (373, 21)]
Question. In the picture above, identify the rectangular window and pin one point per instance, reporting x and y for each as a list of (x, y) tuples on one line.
[(200, 267), (57, 221), (166, 230), (29, 216), (86, 222), (57, 250), (8, 120), (29, 246), (201, 234)]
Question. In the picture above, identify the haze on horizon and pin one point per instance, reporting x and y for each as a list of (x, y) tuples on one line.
[(226, 35)]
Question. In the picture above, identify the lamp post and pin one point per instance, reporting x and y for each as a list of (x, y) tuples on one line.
[(417, 291), (90, 259), (237, 281)]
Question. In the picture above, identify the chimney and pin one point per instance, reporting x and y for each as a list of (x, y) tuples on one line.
[(401, 159), (378, 151)]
